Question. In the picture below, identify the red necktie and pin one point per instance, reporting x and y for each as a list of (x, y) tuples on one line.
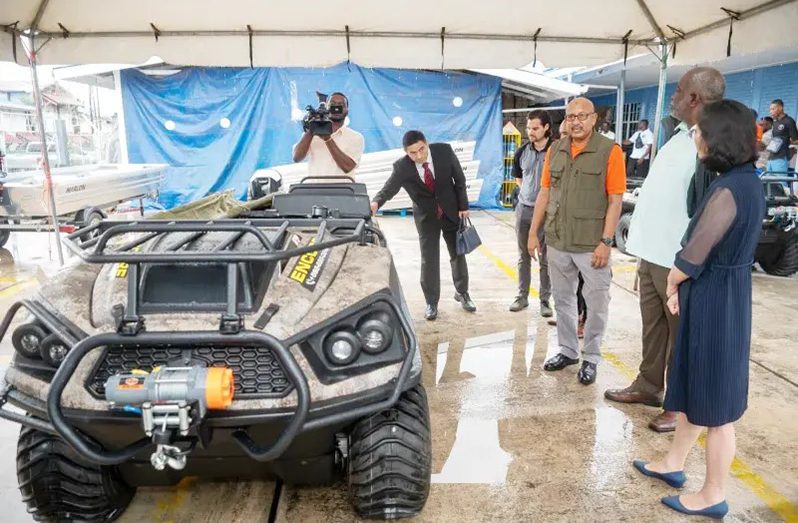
[(429, 181)]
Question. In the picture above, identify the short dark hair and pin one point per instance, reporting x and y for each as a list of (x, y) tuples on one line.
[(543, 116), (768, 118), (339, 93), (412, 137), (644, 121), (729, 130), (778, 101)]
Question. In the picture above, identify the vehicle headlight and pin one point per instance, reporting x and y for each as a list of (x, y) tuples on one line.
[(376, 332), (342, 347)]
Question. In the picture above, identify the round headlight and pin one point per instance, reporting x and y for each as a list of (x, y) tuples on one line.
[(376, 333), (27, 339), (342, 347)]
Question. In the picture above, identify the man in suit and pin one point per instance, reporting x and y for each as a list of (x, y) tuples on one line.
[(432, 176)]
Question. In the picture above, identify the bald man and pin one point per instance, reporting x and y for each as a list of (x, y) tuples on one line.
[(675, 185), (582, 186)]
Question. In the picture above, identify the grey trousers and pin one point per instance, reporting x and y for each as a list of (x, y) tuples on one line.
[(564, 268), (523, 222)]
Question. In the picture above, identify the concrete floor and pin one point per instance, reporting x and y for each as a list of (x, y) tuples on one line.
[(510, 442)]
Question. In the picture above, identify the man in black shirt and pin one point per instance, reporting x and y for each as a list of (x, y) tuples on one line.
[(784, 133)]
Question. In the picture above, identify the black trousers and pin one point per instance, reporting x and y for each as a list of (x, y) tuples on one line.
[(633, 170), (430, 229)]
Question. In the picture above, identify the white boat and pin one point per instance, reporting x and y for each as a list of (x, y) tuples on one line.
[(77, 188)]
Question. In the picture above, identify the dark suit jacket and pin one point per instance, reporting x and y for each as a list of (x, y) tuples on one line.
[(450, 186)]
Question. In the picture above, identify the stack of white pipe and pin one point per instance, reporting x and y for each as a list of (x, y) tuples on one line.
[(375, 168)]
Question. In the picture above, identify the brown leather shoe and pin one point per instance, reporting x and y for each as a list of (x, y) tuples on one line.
[(665, 422), (630, 395)]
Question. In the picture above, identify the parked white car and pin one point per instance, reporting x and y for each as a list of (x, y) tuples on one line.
[(28, 158)]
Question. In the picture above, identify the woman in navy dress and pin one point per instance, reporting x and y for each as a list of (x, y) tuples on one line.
[(709, 287)]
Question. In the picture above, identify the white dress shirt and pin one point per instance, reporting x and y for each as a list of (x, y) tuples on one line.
[(660, 216)]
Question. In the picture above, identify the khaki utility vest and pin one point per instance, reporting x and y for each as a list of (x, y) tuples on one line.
[(578, 195)]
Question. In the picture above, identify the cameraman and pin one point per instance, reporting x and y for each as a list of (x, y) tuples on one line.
[(332, 154)]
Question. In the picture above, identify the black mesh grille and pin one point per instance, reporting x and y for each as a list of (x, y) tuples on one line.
[(257, 372)]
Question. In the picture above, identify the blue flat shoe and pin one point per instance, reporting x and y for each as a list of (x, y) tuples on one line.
[(718, 511), (674, 479)]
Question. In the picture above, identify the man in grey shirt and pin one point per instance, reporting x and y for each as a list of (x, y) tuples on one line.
[(527, 169)]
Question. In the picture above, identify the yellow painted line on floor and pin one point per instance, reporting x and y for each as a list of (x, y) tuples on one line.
[(17, 288), (740, 470), (165, 509), (506, 269)]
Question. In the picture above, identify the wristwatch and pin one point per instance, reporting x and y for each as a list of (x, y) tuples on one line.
[(607, 241)]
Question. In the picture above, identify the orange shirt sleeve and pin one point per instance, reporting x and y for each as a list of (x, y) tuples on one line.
[(545, 179), (616, 172)]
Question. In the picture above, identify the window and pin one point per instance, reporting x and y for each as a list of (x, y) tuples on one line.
[(631, 116)]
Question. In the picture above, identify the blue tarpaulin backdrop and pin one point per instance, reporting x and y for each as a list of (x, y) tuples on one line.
[(216, 126)]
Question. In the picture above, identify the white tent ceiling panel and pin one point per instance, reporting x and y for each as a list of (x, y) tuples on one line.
[(687, 15), (6, 47), (581, 54), (91, 31), (772, 30)]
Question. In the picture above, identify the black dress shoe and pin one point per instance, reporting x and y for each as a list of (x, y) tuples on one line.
[(465, 301), (431, 313), (559, 362), (587, 374)]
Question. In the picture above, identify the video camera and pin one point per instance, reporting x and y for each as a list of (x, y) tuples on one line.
[(317, 120)]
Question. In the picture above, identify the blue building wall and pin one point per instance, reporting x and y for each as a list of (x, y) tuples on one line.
[(755, 88)]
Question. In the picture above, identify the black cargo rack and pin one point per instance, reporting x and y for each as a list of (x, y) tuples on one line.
[(130, 322)]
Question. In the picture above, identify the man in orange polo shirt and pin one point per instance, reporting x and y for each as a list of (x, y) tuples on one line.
[(582, 186)]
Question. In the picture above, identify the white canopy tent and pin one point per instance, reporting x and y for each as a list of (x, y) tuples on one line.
[(455, 34), (446, 34)]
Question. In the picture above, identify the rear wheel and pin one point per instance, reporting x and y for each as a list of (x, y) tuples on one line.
[(622, 232), (391, 459), (88, 217), (58, 485), (783, 262)]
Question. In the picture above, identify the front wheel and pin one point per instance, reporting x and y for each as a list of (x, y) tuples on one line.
[(58, 485), (391, 459)]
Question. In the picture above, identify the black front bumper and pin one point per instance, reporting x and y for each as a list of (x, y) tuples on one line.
[(73, 425)]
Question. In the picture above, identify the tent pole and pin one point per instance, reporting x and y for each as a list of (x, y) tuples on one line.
[(48, 179), (619, 103), (663, 76), (120, 118)]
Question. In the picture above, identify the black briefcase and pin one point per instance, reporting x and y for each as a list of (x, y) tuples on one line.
[(467, 237)]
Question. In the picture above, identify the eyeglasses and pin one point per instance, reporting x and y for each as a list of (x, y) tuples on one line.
[(578, 116)]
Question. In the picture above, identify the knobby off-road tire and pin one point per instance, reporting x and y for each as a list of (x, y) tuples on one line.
[(58, 485), (391, 459), (785, 263), (622, 232)]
